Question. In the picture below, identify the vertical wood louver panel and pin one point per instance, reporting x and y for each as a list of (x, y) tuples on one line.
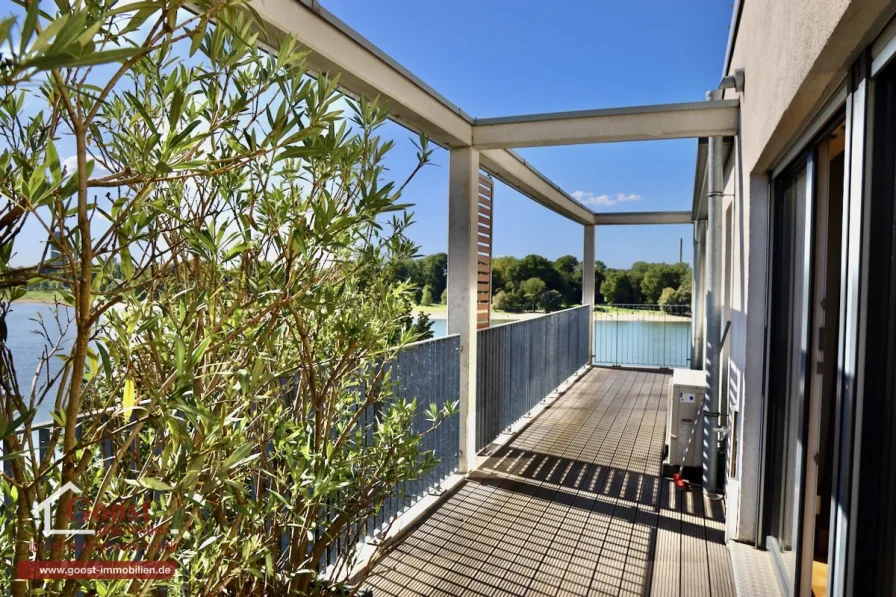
[(484, 251)]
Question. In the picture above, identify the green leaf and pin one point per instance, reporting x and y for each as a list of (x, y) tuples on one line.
[(129, 398), (151, 483), (179, 351), (42, 43), (104, 357), (53, 162), (65, 60), (12, 426), (5, 26), (29, 26)]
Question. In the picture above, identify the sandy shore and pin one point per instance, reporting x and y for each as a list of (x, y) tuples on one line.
[(646, 316), (598, 316), (498, 316)]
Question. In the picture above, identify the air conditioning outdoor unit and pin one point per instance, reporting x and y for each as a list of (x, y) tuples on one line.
[(684, 425)]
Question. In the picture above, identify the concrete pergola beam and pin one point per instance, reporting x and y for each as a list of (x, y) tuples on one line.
[(511, 169), (635, 123), (638, 218), (365, 70)]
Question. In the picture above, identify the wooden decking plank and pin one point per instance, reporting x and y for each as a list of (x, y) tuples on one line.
[(633, 576), (666, 578), (573, 505), (721, 574), (694, 562), (561, 550), (636, 577)]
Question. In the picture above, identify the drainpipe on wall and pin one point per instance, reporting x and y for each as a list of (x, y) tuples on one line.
[(712, 403)]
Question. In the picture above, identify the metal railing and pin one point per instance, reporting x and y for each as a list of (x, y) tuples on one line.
[(652, 335), (519, 364), (428, 371)]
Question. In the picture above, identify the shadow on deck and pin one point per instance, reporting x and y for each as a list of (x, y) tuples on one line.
[(573, 505)]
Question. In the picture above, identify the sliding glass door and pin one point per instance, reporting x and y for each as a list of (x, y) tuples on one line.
[(792, 211)]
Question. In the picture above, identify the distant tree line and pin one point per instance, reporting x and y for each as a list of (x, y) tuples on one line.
[(534, 282)]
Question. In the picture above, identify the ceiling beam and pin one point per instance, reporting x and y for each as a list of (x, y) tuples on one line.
[(637, 123), (511, 169), (638, 218), (365, 70)]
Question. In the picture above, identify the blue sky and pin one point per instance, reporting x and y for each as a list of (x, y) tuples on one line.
[(503, 57)]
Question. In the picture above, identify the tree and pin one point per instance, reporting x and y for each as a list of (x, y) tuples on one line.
[(229, 254), (511, 301), (570, 272), (600, 269), (667, 299), (617, 288), (532, 290), (434, 272), (427, 295), (533, 266), (500, 279), (657, 277), (683, 295), (550, 300), (444, 297)]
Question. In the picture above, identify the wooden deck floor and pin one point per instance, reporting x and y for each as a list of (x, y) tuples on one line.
[(574, 505)]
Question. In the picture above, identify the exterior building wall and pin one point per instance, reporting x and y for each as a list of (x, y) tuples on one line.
[(794, 54)]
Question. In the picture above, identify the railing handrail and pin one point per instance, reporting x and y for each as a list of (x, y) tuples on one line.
[(638, 305), (111, 409), (534, 318), (436, 339)]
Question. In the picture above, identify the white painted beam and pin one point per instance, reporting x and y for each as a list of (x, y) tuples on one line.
[(514, 171), (365, 70), (463, 216), (638, 218), (636, 123)]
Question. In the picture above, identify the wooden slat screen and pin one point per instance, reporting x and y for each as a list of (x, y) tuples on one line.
[(484, 251)]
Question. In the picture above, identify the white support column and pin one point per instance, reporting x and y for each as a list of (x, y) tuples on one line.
[(697, 294), (588, 285), (463, 203)]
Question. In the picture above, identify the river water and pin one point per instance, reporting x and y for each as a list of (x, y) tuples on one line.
[(665, 343), (652, 343)]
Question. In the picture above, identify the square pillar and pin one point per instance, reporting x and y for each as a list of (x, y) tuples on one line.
[(463, 212), (698, 270), (588, 289)]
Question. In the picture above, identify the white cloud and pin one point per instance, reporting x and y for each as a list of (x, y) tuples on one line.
[(629, 197), (586, 198), (70, 164)]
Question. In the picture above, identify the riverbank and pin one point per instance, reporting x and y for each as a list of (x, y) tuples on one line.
[(441, 312), (41, 297)]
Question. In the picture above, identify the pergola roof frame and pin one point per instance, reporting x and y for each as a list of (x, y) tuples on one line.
[(365, 70)]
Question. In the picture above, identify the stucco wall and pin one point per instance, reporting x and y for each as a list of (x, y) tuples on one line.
[(793, 54)]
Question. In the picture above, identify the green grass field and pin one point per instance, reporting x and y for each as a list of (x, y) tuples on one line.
[(41, 296)]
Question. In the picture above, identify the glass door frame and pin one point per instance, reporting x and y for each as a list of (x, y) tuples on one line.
[(792, 385)]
